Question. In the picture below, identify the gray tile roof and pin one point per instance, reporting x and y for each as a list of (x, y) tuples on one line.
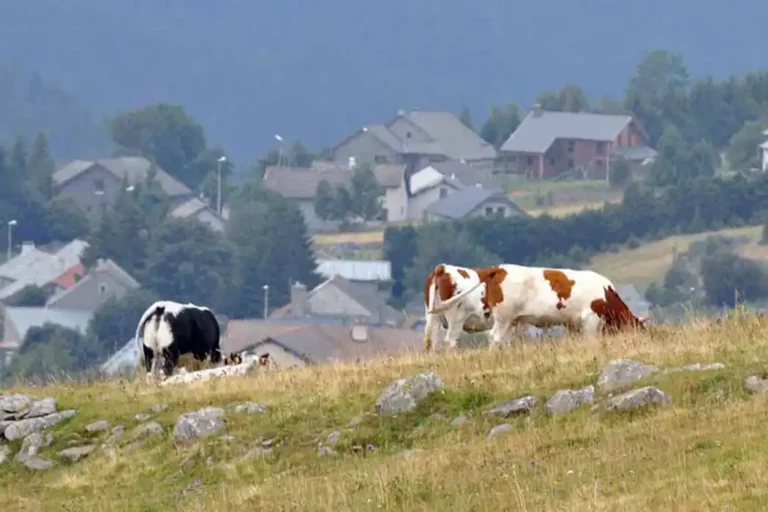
[(467, 175), (382, 133), (451, 136), (134, 168), (390, 176), (461, 202), (302, 182), (39, 268), (356, 270), (536, 133), (102, 265), (24, 318)]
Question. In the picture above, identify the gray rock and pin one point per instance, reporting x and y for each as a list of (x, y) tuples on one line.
[(4, 425), (250, 408), (268, 442), (333, 437), (40, 408), (116, 434), (403, 395), (142, 416), (637, 398), (517, 406), (697, 367), (756, 384), (14, 406), (159, 408), (355, 421), (97, 426), (459, 421), (150, 429), (193, 425), (38, 463), (621, 372), (32, 445), (566, 399), (5, 453), (76, 453), (326, 451), (499, 429), (22, 428)]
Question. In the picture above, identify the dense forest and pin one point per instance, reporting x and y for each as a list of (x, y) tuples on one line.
[(316, 71)]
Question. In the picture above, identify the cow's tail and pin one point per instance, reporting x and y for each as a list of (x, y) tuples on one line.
[(444, 305), (154, 309), (429, 318)]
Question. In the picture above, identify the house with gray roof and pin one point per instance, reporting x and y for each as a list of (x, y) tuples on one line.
[(473, 202), (415, 139), (106, 280), (548, 143)]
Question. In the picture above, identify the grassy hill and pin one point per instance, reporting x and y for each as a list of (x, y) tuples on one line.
[(706, 450), (649, 262)]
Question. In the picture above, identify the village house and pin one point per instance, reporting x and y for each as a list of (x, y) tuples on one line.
[(473, 202), (106, 280), (417, 138), (94, 186), (547, 144), (428, 186)]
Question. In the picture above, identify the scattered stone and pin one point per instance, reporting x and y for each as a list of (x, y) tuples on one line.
[(403, 395), (638, 398), (257, 452), (193, 425), (117, 433), (267, 442), (4, 425), (566, 399), (326, 451), (333, 437), (459, 421), (97, 426), (43, 407), (75, 454), (250, 408), (159, 408), (22, 428), (355, 421), (38, 463), (756, 384), (5, 452), (14, 406), (499, 429), (142, 416), (697, 367), (620, 372), (32, 445), (517, 406), (146, 430)]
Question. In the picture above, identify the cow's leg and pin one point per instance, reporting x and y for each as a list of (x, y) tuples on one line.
[(500, 332), (170, 359), (149, 363), (456, 319), (590, 325)]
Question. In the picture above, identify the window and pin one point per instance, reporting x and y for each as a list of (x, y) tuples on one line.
[(379, 159), (98, 186), (530, 161), (500, 210), (443, 192), (600, 148), (408, 135), (551, 160), (488, 211), (571, 145), (570, 163), (599, 164), (102, 288)]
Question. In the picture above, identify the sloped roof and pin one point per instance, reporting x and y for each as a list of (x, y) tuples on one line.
[(537, 132), (390, 176), (460, 203), (320, 343), (425, 179), (356, 270), (382, 133), (302, 182), (134, 168), (23, 318), (102, 265), (126, 358), (41, 270), (450, 135), (466, 175)]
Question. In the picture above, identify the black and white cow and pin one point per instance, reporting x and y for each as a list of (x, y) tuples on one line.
[(171, 329)]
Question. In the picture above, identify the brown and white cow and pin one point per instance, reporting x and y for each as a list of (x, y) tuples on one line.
[(468, 314), (544, 297)]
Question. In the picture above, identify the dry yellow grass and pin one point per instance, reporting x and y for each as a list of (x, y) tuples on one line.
[(651, 261), (705, 451)]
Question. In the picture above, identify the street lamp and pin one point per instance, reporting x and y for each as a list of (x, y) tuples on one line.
[(279, 139), (266, 300), (220, 161), (11, 223)]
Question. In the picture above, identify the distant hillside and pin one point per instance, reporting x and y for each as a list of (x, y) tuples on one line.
[(318, 70), (29, 104)]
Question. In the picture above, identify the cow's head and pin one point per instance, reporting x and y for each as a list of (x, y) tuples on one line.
[(233, 358)]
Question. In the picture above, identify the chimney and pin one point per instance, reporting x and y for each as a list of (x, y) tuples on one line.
[(351, 162), (27, 247), (536, 109), (298, 299)]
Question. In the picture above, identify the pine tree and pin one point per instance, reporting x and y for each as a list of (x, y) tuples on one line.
[(41, 166)]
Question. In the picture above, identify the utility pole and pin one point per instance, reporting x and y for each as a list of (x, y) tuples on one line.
[(11, 223), (221, 160)]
